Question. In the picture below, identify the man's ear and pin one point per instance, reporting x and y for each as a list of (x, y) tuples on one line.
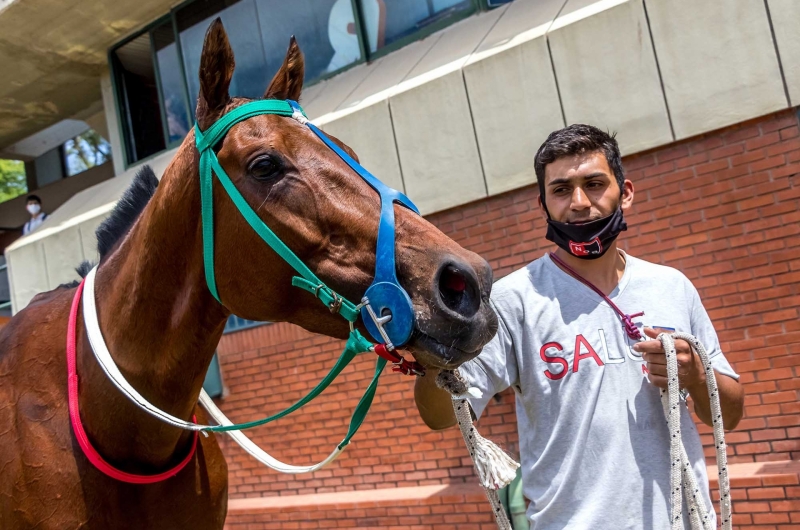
[(627, 195)]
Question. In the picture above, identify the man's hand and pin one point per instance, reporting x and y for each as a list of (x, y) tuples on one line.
[(692, 377), (690, 368)]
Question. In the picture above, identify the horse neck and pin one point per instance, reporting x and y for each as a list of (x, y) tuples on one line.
[(159, 320)]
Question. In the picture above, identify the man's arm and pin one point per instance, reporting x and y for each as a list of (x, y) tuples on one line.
[(731, 400), (434, 404), (692, 377)]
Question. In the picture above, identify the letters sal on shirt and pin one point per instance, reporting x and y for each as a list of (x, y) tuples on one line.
[(559, 362)]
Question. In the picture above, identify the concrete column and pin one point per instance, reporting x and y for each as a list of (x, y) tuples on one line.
[(112, 123)]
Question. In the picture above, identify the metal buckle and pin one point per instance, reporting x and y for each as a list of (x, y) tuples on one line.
[(336, 305), (379, 322)]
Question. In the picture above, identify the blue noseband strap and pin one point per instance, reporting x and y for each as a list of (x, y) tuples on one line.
[(385, 295)]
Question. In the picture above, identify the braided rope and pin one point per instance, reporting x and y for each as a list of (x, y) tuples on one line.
[(680, 467), (495, 469), (471, 438)]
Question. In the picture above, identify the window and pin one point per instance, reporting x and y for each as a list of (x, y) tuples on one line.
[(85, 151), (138, 98), (240, 19), (235, 323), (389, 21), (12, 179), (177, 116), (155, 72), (212, 384)]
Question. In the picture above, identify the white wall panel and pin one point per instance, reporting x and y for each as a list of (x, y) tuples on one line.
[(717, 60), (514, 106), (436, 144), (607, 73), (785, 16), (369, 133)]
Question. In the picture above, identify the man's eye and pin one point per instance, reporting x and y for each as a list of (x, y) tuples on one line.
[(265, 168)]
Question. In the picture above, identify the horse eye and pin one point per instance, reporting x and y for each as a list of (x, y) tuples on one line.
[(265, 168)]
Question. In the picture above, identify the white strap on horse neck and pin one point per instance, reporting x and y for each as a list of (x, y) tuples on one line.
[(103, 356), (681, 467), (255, 451)]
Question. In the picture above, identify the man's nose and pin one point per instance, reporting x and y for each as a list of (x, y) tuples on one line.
[(580, 201)]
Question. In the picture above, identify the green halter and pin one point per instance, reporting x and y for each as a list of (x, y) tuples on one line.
[(209, 165)]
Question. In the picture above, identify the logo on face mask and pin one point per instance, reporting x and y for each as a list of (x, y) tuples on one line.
[(592, 248), (587, 240)]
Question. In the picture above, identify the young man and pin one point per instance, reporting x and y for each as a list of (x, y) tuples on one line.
[(34, 207), (593, 437)]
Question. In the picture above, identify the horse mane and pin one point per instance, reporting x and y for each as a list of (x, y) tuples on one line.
[(127, 210), (122, 217)]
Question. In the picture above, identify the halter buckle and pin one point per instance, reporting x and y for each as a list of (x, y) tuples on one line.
[(379, 322), (336, 305)]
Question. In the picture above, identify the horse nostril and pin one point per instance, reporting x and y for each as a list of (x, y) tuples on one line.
[(454, 281), (458, 290)]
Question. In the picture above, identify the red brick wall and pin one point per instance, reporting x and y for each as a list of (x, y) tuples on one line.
[(723, 208)]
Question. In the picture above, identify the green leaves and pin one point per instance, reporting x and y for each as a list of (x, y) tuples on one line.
[(12, 179)]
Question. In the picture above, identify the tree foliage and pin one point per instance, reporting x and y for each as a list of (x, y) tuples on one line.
[(86, 151), (12, 179)]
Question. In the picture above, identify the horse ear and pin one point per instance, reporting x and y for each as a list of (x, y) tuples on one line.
[(288, 82), (216, 71)]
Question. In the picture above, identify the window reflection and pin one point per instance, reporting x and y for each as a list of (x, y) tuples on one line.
[(172, 89), (138, 95), (387, 21), (241, 22), (156, 72), (325, 31)]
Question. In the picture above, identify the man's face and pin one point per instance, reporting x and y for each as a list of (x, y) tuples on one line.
[(582, 188)]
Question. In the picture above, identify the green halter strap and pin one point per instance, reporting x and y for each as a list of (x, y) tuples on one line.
[(209, 166)]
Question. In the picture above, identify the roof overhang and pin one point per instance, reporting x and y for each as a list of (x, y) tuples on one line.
[(52, 54)]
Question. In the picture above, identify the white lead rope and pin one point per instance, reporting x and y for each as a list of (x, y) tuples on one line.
[(495, 469), (681, 467)]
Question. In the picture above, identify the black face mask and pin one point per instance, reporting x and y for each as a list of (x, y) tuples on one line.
[(588, 240)]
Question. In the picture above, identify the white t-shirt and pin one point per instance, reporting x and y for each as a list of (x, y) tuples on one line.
[(593, 437), (33, 223)]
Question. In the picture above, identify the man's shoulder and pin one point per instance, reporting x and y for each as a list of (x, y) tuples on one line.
[(519, 286), (648, 270), (521, 279)]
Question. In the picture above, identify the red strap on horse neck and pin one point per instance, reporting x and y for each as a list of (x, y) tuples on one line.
[(627, 320), (75, 418)]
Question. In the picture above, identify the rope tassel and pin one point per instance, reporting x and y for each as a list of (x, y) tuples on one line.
[(494, 467)]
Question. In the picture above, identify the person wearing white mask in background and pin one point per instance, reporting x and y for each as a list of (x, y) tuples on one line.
[(34, 207)]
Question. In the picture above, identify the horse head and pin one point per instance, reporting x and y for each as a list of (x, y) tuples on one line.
[(328, 216)]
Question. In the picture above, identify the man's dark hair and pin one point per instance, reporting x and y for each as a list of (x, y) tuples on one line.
[(34, 198), (575, 140)]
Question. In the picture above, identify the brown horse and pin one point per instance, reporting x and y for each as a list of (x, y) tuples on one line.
[(162, 324)]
